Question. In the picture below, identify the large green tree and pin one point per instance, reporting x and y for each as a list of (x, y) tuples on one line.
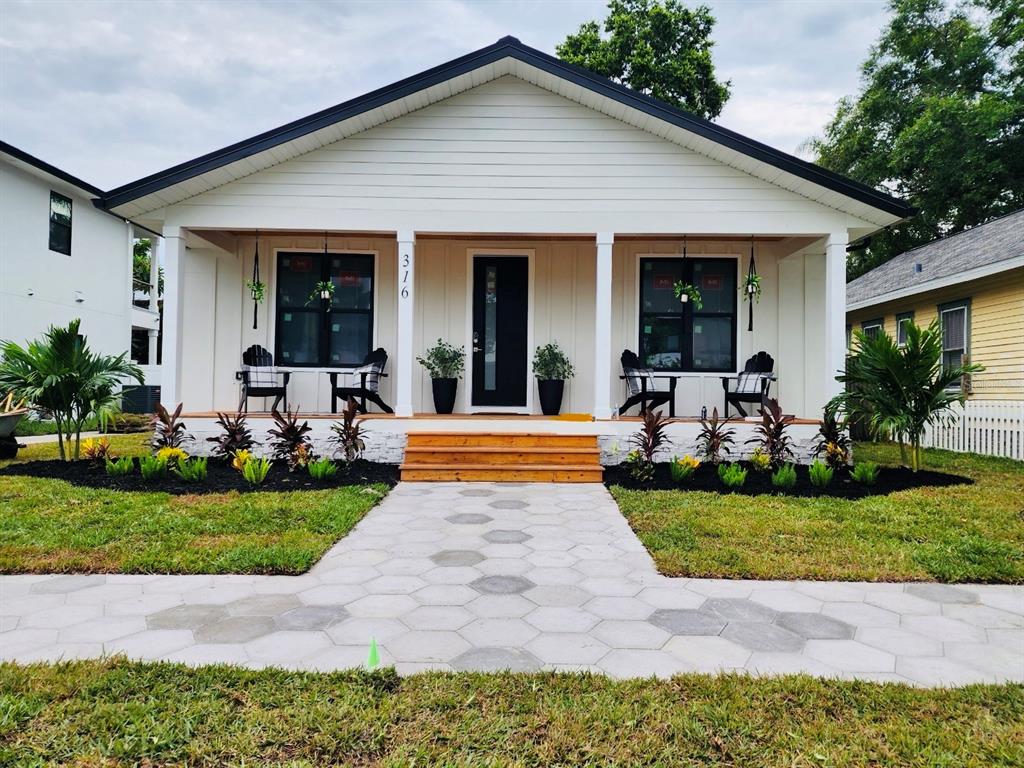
[(658, 47), (939, 120)]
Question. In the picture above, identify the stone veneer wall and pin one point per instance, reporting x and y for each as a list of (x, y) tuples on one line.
[(384, 447), (615, 448)]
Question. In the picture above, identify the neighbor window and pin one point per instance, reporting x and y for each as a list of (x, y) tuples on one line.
[(954, 320), (871, 328), (676, 336), (327, 333), (60, 223), (902, 321)]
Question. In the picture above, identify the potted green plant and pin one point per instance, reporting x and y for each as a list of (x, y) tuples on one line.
[(752, 287), (552, 368), (445, 363), (687, 292), (322, 291), (257, 290)]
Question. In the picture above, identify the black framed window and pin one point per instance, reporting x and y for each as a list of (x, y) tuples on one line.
[(902, 320), (60, 223), (872, 328), (673, 335), (955, 320), (321, 333)]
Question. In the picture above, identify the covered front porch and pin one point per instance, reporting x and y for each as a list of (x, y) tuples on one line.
[(500, 296)]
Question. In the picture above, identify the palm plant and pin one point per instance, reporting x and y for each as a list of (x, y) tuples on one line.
[(715, 437), (59, 374), (289, 438), (235, 435), (898, 391), (771, 434)]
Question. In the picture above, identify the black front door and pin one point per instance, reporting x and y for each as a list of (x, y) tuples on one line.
[(500, 285)]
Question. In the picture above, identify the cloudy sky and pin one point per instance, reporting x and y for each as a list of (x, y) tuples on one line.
[(113, 91)]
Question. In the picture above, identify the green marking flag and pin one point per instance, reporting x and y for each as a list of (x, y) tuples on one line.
[(373, 660)]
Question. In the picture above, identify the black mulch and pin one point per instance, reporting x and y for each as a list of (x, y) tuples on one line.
[(220, 477), (890, 479)]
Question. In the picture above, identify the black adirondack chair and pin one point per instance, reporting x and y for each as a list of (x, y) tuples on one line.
[(260, 379), (751, 385), (368, 374), (642, 386)]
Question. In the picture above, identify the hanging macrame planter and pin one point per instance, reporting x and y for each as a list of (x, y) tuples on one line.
[(687, 292), (257, 288), (751, 287)]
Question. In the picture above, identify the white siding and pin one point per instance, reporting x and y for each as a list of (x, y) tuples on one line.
[(99, 266), (507, 156)]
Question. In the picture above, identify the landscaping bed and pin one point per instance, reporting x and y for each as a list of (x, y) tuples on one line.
[(221, 477), (705, 478)]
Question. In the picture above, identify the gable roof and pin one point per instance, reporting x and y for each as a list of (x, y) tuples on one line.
[(49, 170), (982, 250), (507, 56)]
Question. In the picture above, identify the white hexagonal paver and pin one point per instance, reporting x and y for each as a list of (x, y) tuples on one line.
[(437, 617), (499, 633), (707, 654), (567, 648), (850, 656), (630, 634), (427, 646)]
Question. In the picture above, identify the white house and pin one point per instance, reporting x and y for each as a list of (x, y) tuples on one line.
[(62, 257), (504, 185)]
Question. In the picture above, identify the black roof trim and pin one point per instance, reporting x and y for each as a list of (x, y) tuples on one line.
[(510, 47), (53, 170)]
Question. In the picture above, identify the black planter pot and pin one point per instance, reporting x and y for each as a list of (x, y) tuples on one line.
[(444, 394), (550, 395)]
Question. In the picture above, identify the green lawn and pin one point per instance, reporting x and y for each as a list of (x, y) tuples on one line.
[(967, 533), (50, 526), (117, 713)]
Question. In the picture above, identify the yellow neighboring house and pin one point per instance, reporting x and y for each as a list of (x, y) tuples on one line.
[(974, 282)]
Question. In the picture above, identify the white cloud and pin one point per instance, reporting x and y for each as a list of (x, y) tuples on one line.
[(114, 91)]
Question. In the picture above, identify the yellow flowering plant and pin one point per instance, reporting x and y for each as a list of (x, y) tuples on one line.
[(240, 459), (97, 450), (171, 456), (682, 469), (761, 460)]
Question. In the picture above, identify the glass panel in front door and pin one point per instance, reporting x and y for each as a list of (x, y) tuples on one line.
[(490, 328)]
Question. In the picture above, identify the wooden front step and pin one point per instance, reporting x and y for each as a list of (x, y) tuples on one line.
[(502, 457)]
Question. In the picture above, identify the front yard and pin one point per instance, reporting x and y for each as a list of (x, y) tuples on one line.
[(119, 713), (960, 533), (50, 526)]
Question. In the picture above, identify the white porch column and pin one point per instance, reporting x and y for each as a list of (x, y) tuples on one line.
[(174, 281), (155, 249), (835, 311), (603, 328), (405, 355)]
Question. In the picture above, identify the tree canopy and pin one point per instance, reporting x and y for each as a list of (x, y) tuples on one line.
[(939, 120), (658, 47)]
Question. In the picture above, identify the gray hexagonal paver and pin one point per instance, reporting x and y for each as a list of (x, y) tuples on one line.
[(469, 518), (486, 659), (450, 557), (687, 621), (762, 637), (312, 617), (738, 609), (262, 605), (507, 504), (65, 584), (942, 593), (186, 617), (814, 626), (476, 492), (502, 536), (236, 629), (501, 585)]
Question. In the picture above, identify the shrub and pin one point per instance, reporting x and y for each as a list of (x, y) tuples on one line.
[(550, 362), (683, 469), (650, 437), (172, 456), (833, 440), (255, 470), (821, 474), (322, 469), (640, 469), (60, 375), (235, 435), (153, 468), (97, 450), (239, 459), (168, 428), (761, 460), (715, 437), (771, 434), (120, 467), (348, 439), (191, 470), (784, 477), (732, 475), (865, 472), (444, 360), (289, 439)]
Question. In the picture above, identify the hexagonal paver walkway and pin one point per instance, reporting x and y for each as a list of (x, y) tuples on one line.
[(522, 577)]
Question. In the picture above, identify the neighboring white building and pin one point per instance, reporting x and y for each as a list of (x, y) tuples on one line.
[(62, 258)]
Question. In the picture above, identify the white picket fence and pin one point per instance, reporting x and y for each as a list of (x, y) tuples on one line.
[(990, 427)]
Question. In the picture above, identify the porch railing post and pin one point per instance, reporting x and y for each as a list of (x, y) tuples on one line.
[(174, 283), (405, 356), (835, 311), (603, 327)]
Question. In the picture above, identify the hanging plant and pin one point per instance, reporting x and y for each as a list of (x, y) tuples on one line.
[(257, 290), (752, 287), (322, 291), (256, 287), (686, 292)]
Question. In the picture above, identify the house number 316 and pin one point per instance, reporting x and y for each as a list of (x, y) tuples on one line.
[(405, 267)]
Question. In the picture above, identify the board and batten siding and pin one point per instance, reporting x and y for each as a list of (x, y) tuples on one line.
[(507, 156), (996, 328)]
